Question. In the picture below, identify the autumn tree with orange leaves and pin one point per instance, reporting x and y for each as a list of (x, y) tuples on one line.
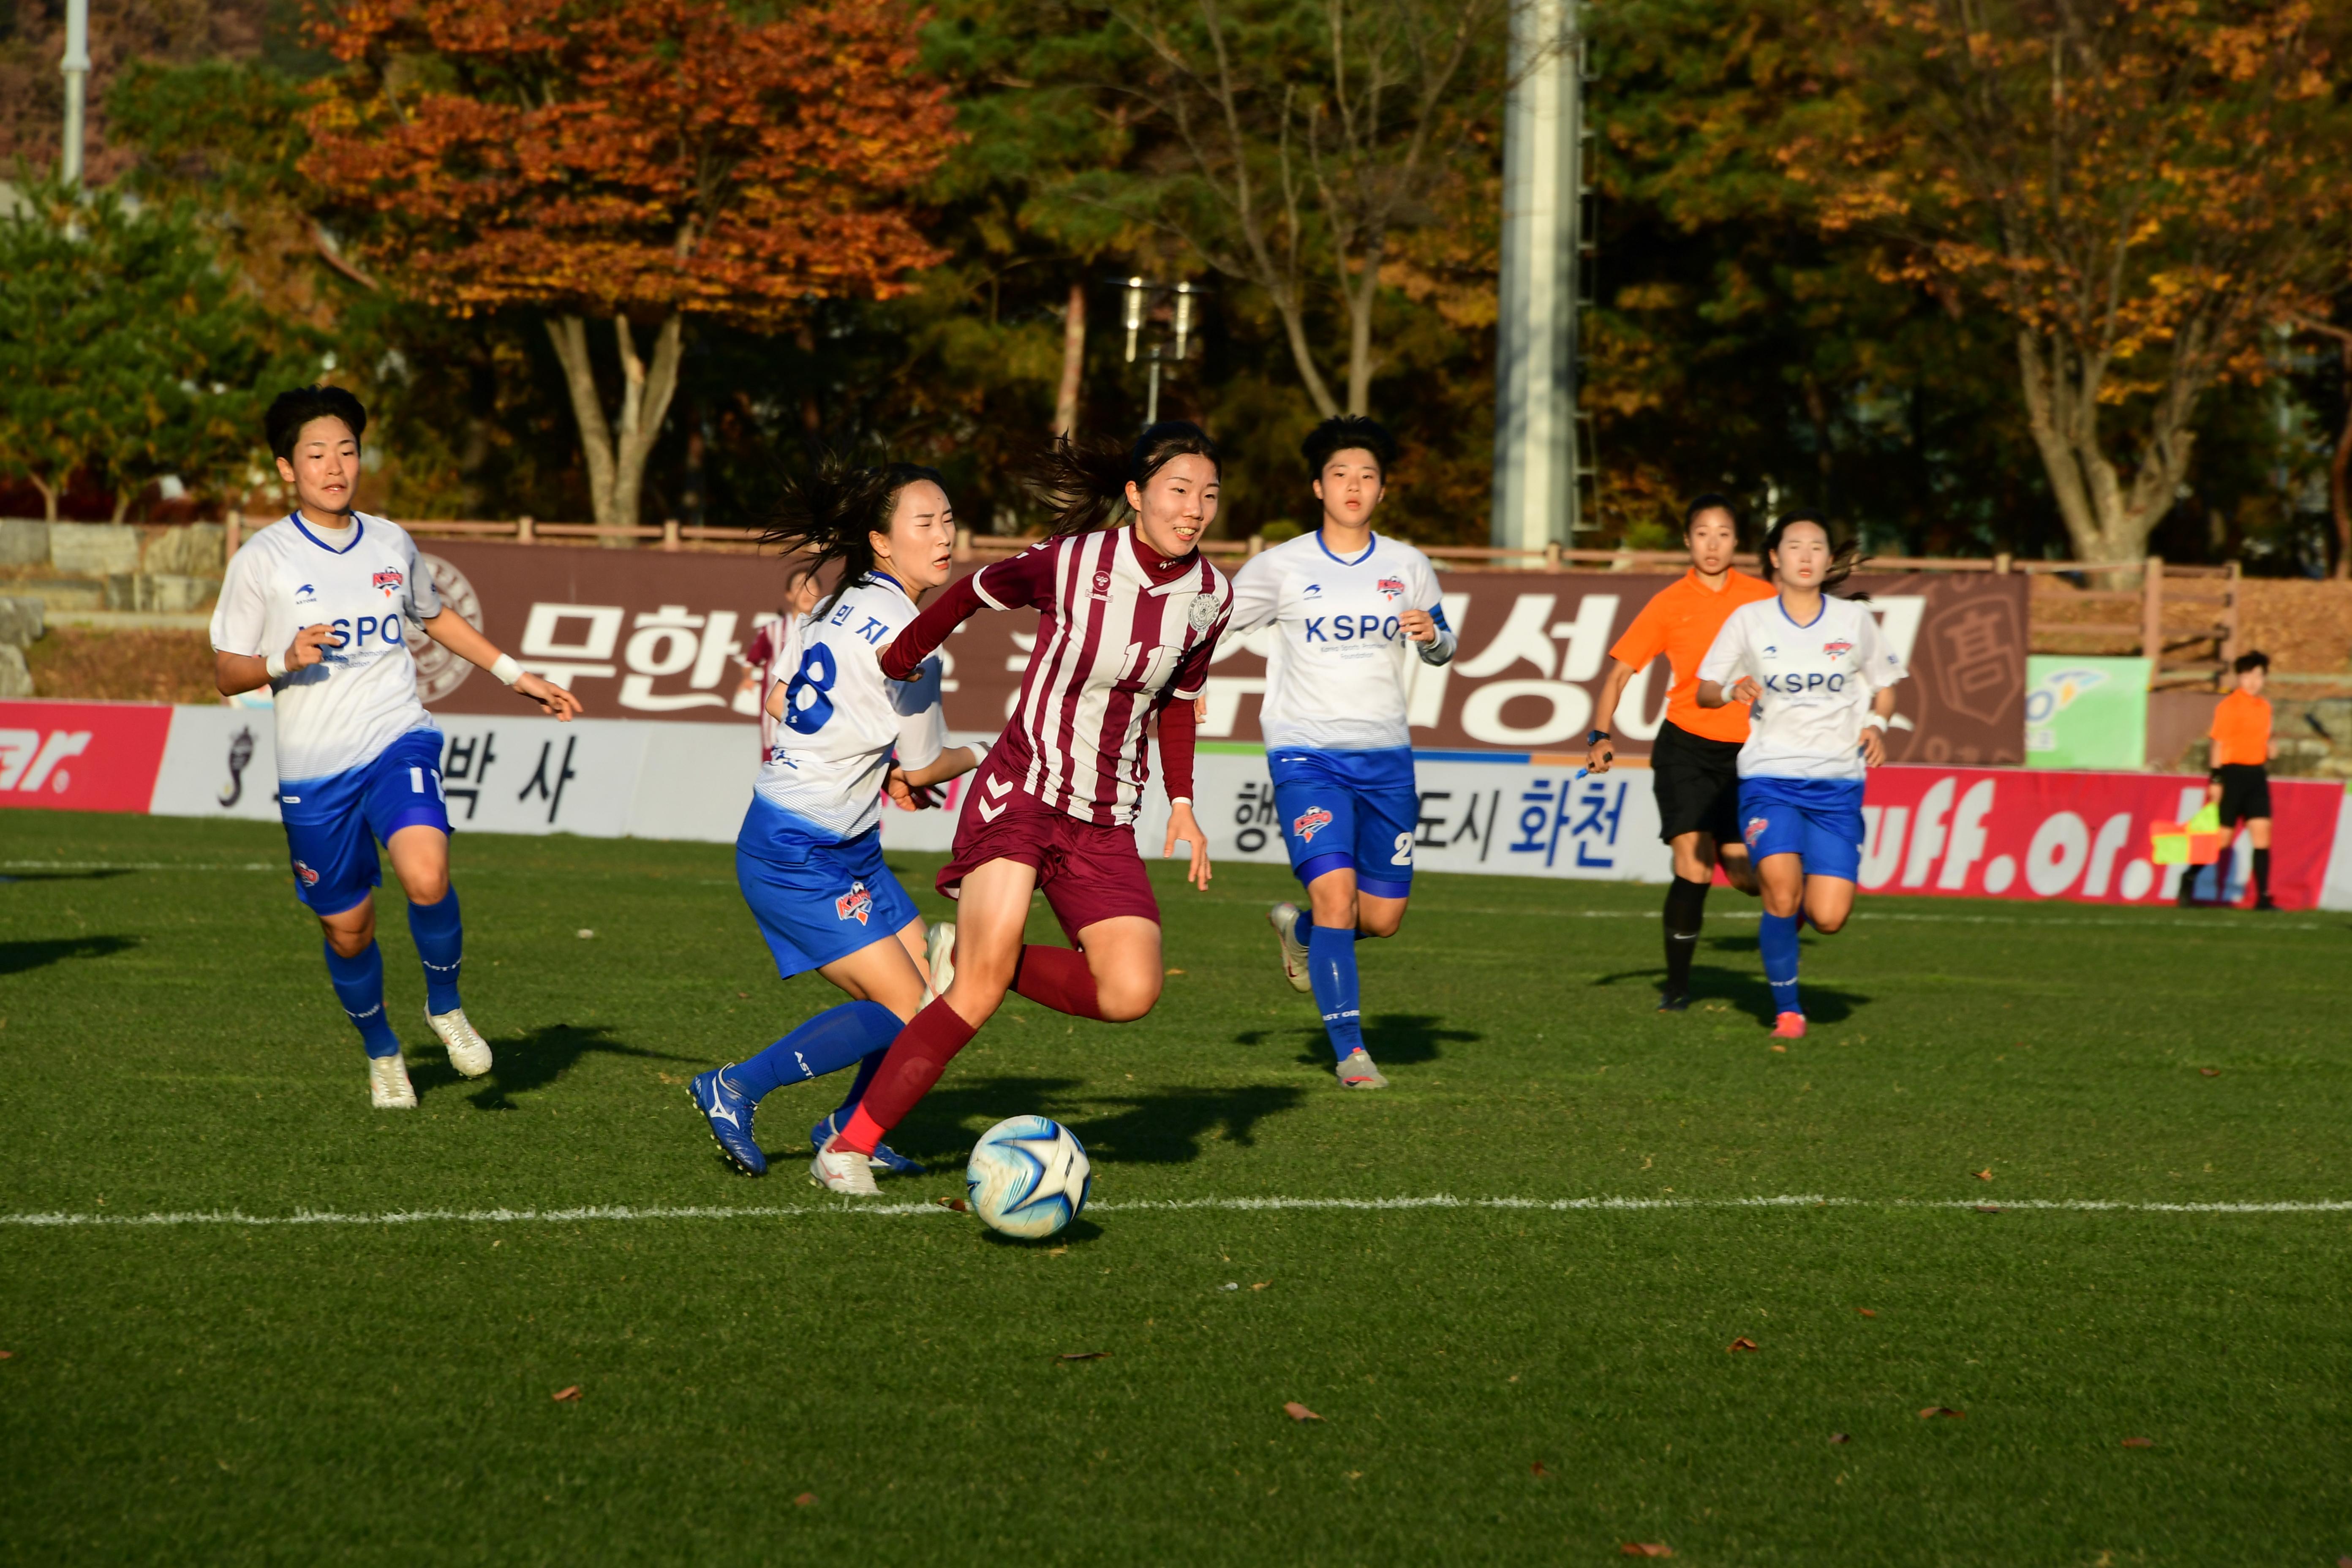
[(630, 162), (2139, 188)]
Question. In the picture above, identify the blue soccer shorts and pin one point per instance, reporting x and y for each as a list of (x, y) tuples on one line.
[(815, 902), (333, 824), (1819, 820), (1349, 810)]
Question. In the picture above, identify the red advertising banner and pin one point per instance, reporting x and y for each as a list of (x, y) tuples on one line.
[(2027, 833), (81, 756), (641, 635)]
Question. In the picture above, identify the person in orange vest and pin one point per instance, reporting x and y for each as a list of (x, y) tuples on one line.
[(2240, 780)]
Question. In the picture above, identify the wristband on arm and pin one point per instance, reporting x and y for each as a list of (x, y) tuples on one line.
[(274, 666), (507, 670)]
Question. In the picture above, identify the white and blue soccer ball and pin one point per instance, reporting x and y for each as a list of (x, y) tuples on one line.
[(1027, 1177)]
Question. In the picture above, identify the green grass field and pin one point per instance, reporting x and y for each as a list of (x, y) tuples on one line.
[(768, 1377)]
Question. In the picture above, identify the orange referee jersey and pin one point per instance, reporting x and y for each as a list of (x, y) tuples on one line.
[(2241, 730), (1681, 623)]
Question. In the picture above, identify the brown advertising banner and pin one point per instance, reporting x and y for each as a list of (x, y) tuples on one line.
[(641, 635)]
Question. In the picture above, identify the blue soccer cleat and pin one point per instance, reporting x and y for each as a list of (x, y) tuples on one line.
[(884, 1157), (728, 1111)]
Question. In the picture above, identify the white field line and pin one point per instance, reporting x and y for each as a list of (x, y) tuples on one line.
[(638, 1214)]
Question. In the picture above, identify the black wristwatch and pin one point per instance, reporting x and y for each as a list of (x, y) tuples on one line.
[(1596, 737)]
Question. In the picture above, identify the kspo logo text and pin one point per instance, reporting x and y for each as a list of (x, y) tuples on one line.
[(353, 634), (1351, 628), (1790, 684)]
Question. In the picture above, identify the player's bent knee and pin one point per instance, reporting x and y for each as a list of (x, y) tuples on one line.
[(1125, 1005)]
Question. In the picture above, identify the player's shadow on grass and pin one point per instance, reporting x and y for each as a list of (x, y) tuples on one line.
[(1744, 989), (1394, 1039), (16, 957), (1156, 1127), (102, 874), (521, 1064)]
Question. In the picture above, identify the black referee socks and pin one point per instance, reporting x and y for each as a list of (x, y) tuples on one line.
[(1686, 908)]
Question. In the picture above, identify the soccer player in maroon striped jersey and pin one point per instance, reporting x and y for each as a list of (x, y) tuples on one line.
[(1129, 620)]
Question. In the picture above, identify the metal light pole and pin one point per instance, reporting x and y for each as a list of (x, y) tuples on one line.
[(1539, 462), (77, 70), (1183, 298)]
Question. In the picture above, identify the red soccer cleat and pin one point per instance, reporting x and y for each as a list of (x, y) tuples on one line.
[(1789, 1026)]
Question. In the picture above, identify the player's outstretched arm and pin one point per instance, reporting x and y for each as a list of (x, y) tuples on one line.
[(236, 672), (454, 632)]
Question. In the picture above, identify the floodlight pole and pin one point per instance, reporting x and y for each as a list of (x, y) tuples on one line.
[(1539, 462), (1138, 310), (77, 70)]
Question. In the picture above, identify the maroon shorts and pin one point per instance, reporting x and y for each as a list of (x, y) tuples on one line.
[(1088, 872)]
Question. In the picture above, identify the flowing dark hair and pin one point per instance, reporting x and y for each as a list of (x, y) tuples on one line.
[(1083, 482), (1843, 558), (830, 512)]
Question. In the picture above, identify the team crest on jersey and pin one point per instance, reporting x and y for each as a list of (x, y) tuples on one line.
[(1102, 586), (856, 904), (387, 579), (1309, 822), (1754, 830), (1204, 613), (310, 878), (1835, 648), (1394, 587)]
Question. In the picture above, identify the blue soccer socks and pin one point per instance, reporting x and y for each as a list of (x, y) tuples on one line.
[(359, 986), (1331, 965), (1777, 938), (826, 1043), (867, 1065), (440, 945)]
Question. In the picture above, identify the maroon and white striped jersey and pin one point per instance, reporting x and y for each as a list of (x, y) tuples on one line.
[(1117, 627)]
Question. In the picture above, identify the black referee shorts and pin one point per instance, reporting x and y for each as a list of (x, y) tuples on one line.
[(1697, 784), (2245, 792)]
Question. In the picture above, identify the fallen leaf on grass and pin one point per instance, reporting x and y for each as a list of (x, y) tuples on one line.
[(1865, 1311), (2216, 1072), (1935, 1410), (1056, 1251), (1298, 1411), (805, 1499), (743, 995), (1646, 1549), (1082, 1356), (1983, 1176), (1841, 1438), (1175, 971), (1783, 1049), (1742, 1343), (571, 1392), (1261, 1283), (1537, 1471), (956, 1204), (2139, 1442)]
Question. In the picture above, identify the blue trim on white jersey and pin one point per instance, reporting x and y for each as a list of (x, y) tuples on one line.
[(1802, 625), (358, 527), (1371, 544)]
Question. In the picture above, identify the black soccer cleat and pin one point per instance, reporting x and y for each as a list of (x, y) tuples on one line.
[(1674, 1002)]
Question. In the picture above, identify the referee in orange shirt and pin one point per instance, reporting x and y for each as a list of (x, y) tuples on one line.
[(1694, 761), (2240, 780)]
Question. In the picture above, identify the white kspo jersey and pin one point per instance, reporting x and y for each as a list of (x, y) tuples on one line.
[(345, 709), (1818, 681), (843, 720), (1336, 677)]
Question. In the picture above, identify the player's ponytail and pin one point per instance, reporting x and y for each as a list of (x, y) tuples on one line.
[(829, 514), (1083, 482), (1843, 558)]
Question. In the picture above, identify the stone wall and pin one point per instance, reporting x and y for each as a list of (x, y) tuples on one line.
[(120, 566)]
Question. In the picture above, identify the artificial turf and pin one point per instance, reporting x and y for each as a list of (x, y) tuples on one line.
[(1496, 1384)]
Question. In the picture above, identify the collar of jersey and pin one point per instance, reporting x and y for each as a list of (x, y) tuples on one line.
[(1371, 543), (295, 517), (1802, 626), (1154, 564), (874, 571)]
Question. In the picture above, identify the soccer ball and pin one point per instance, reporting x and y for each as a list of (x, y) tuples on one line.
[(1027, 1177)]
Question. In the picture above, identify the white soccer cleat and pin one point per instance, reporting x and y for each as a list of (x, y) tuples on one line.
[(469, 1052), (388, 1085), (844, 1171), (1358, 1071), (939, 950), (1283, 918)]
